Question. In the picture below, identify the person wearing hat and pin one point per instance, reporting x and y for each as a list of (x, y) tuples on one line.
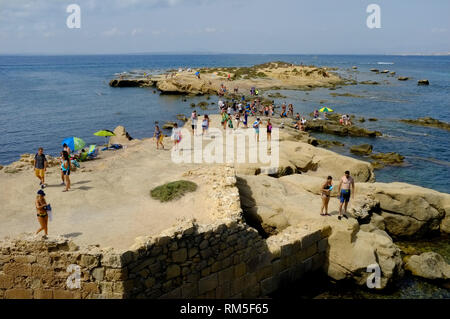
[(42, 216)]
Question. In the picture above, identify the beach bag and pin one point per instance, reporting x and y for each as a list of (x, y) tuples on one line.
[(75, 163), (48, 209)]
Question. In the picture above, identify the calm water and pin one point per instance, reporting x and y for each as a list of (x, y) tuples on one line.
[(44, 99)]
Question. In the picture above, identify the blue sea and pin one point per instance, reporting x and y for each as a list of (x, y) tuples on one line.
[(44, 99)]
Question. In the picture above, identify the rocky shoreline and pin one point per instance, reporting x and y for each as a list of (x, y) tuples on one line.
[(279, 209), (380, 214), (268, 76), (428, 121)]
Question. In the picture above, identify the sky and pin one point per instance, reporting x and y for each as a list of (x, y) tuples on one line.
[(224, 26)]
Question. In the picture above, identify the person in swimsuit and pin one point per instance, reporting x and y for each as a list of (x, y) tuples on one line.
[(237, 117), (205, 124), (246, 119), (176, 135), (256, 127), (68, 150), (224, 120), (42, 215), (194, 118), (291, 110), (158, 135), (346, 188), (269, 130), (65, 168), (326, 191)]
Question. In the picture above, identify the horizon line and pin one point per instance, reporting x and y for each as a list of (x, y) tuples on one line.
[(221, 53)]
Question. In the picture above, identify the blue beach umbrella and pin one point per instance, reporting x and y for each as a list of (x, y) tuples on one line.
[(74, 143)]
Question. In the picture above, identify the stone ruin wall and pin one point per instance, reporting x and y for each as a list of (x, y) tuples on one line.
[(226, 259)]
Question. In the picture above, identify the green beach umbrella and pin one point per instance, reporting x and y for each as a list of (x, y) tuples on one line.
[(325, 109), (104, 133)]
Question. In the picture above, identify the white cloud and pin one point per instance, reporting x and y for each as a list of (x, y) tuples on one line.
[(136, 31), (439, 30), (147, 3), (210, 30), (112, 32)]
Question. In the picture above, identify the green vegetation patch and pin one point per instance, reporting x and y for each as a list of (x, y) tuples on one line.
[(172, 191)]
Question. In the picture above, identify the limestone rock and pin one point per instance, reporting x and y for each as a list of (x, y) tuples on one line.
[(363, 149), (298, 157), (408, 210), (295, 200), (168, 125), (352, 250), (428, 265), (182, 117), (428, 121), (340, 130), (423, 82), (131, 82), (445, 224), (388, 158), (361, 208), (121, 136), (369, 82), (403, 78), (183, 85)]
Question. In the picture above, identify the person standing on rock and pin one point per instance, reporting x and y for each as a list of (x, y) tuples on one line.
[(237, 117), (245, 119), (41, 209), (176, 135), (291, 110), (158, 135), (40, 166), (256, 127), (205, 125), (269, 131), (224, 119), (346, 189), (65, 168), (326, 193), (194, 118)]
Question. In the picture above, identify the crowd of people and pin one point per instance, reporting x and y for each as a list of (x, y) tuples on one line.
[(233, 113)]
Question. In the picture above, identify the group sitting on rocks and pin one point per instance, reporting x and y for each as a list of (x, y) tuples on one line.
[(345, 120)]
